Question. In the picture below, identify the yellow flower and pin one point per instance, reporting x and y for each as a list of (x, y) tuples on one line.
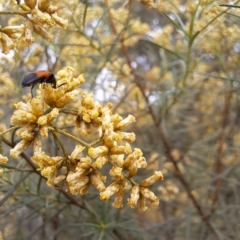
[(37, 146), (59, 97), (135, 194), (7, 43), (76, 181), (19, 148), (100, 161), (42, 32), (119, 196), (31, 3), (98, 151), (76, 152), (98, 180), (151, 180), (3, 160), (60, 21), (125, 149), (28, 31), (125, 122), (110, 190), (116, 172), (150, 196), (14, 32), (43, 160), (50, 173), (41, 18), (29, 116)]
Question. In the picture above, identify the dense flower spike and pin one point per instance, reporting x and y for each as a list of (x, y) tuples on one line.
[(30, 116), (35, 120), (41, 17), (60, 97)]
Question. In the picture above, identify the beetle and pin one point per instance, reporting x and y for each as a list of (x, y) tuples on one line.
[(38, 77)]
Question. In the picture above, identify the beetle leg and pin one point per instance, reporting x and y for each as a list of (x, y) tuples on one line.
[(61, 85), (31, 90)]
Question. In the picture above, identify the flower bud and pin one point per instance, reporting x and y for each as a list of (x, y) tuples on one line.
[(125, 122), (28, 37), (141, 162), (42, 32), (3, 160), (110, 190), (76, 152), (41, 18), (121, 149), (26, 132), (150, 196), (31, 3), (84, 189), (142, 203), (43, 5), (119, 159), (98, 151), (100, 161), (7, 43), (98, 180), (14, 32), (49, 172), (132, 170), (77, 184), (135, 194), (151, 180), (60, 21), (52, 115), (19, 148), (130, 137), (118, 202), (59, 179), (116, 172)]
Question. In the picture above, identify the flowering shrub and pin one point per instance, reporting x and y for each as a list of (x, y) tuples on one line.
[(35, 119), (160, 91)]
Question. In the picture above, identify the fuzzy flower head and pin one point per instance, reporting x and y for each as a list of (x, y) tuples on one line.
[(42, 17), (8, 35), (48, 166), (88, 114), (66, 90), (30, 115)]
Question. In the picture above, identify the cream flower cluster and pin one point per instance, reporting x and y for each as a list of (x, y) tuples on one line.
[(80, 169), (39, 17)]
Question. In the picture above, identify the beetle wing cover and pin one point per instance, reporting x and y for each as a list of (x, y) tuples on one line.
[(34, 78)]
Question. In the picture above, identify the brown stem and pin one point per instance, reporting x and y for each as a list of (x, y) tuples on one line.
[(220, 149)]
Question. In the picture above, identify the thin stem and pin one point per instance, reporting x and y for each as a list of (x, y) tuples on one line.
[(67, 111), (8, 130), (70, 136), (96, 142), (61, 145)]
